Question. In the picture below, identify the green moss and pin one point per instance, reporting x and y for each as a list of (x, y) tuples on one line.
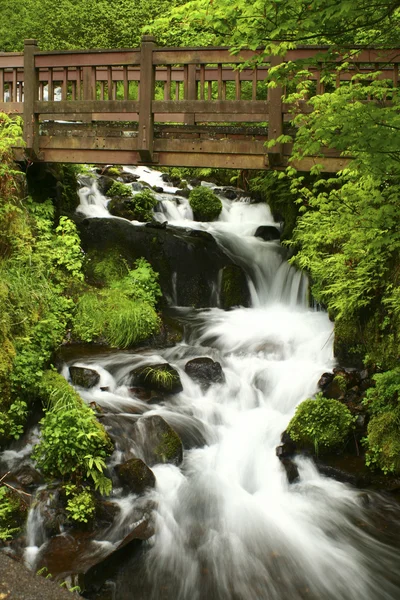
[(57, 182), (169, 447), (321, 423), (137, 207), (383, 442), (205, 204), (119, 190), (234, 289)]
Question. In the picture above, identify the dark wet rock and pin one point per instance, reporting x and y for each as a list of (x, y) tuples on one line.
[(185, 192), (230, 193), (128, 177), (27, 477), (291, 469), (157, 224), (83, 377), (174, 180), (205, 371), (158, 441), (136, 476), (104, 183), (161, 377), (234, 287), (325, 380), (268, 233), (18, 583), (193, 261), (158, 189)]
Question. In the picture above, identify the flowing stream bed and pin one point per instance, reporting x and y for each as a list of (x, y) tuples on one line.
[(228, 525)]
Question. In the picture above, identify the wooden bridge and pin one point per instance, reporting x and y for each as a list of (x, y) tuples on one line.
[(163, 106)]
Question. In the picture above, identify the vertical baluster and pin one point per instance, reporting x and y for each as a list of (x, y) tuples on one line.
[(223, 90), (64, 84), (102, 90), (167, 87), (202, 81), (219, 79), (237, 84), (50, 85), (78, 83), (185, 82), (395, 75), (14, 86), (109, 83), (209, 90), (126, 83), (1, 85), (254, 86)]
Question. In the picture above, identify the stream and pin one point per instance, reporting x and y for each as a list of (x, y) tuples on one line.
[(228, 525)]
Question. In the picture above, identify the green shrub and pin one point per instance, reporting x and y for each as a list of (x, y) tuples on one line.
[(12, 513), (385, 395), (73, 444), (137, 207), (119, 190), (80, 504), (320, 422), (205, 204), (383, 442)]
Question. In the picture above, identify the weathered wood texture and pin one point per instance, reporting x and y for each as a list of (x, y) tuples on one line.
[(167, 106)]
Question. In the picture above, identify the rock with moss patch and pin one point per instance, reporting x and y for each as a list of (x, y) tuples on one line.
[(136, 476), (137, 207), (161, 377), (205, 204), (158, 442), (83, 377), (234, 287), (205, 371)]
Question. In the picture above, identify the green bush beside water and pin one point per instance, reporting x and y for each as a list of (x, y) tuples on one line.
[(205, 204)]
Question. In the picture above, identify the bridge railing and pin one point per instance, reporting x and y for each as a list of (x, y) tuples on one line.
[(148, 85)]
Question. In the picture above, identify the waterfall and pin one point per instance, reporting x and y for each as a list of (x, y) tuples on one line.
[(229, 526)]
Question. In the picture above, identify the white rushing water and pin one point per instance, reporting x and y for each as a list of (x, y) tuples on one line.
[(229, 526)]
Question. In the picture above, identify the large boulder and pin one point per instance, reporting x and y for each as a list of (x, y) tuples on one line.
[(161, 377), (136, 476), (205, 371), (188, 261), (158, 442), (83, 377)]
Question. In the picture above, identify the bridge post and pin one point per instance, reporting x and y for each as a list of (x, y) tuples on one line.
[(275, 119), (146, 95), (31, 87), (190, 87)]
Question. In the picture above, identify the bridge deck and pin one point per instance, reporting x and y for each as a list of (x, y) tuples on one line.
[(165, 106)]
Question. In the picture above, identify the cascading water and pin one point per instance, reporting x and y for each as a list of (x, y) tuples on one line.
[(228, 524)]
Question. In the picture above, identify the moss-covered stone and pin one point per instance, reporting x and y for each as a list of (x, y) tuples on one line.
[(136, 475), (160, 377), (205, 204), (137, 207), (158, 441), (234, 287)]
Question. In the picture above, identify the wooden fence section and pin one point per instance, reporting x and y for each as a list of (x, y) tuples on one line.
[(166, 106)]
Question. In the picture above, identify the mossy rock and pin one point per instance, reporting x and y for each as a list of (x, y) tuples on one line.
[(158, 442), (138, 207), (83, 377), (161, 377), (136, 476), (348, 345), (205, 204), (234, 287)]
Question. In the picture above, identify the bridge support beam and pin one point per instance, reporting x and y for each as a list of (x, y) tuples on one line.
[(31, 87), (275, 119), (146, 91)]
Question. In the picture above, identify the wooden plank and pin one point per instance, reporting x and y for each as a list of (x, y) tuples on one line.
[(229, 118), (12, 107), (101, 157), (86, 106), (91, 58), (110, 83), (218, 146), (218, 161), (213, 106), (199, 56), (1, 85), (73, 142), (9, 60), (147, 85)]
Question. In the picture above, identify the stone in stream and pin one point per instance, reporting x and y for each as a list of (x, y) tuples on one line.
[(136, 476), (161, 377), (205, 371), (158, 441), (83, 377), (267, 233), (234, 287)]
